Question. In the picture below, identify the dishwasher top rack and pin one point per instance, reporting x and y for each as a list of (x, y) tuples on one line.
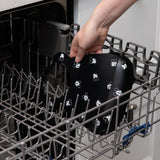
[(34, 124)]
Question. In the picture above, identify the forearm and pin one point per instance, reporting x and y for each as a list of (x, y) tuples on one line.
[(108, 11), (91, 37)]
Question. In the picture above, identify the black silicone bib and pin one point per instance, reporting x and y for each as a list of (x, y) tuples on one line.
[(98, 78)]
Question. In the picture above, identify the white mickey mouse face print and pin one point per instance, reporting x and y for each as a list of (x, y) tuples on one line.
[(85, 96), (95, 77), (109, 85), (77, 84), (124, 65), (81, 118), (76, 65), (94, 81), (107, 118), (69, 103), (97, 123), (98, 102), (114, 62), (117, 92), (92, 60), (61, 57)]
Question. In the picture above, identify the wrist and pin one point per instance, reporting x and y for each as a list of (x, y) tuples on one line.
[(101, 17), (108, 11), (100, 27)]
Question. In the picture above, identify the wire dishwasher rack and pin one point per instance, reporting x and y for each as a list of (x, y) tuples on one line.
[(34, 125)]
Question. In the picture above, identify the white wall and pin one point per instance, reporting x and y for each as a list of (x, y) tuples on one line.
[(138, 24), (83, 9), (141, 25)]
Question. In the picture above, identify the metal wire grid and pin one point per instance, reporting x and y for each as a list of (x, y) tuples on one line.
[(21, 109), (31, 130), (34, 124)]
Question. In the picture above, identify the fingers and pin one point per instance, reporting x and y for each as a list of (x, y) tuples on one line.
[(99, 51), (77, 51), (83, 43), (80, 54), (95, 49), (73, 52), (74, 48)]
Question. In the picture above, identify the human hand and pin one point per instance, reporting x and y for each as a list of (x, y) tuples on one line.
[(92, 36), (89, 39)]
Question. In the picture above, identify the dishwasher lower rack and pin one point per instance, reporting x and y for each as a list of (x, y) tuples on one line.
[(35, 126), (30, 129)]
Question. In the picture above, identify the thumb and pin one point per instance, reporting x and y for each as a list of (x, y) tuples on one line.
[(80, 54)]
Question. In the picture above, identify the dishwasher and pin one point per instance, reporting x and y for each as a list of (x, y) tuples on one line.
[(34, 89)]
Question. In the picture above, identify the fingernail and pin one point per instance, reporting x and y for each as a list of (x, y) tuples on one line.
[(77, 59)]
